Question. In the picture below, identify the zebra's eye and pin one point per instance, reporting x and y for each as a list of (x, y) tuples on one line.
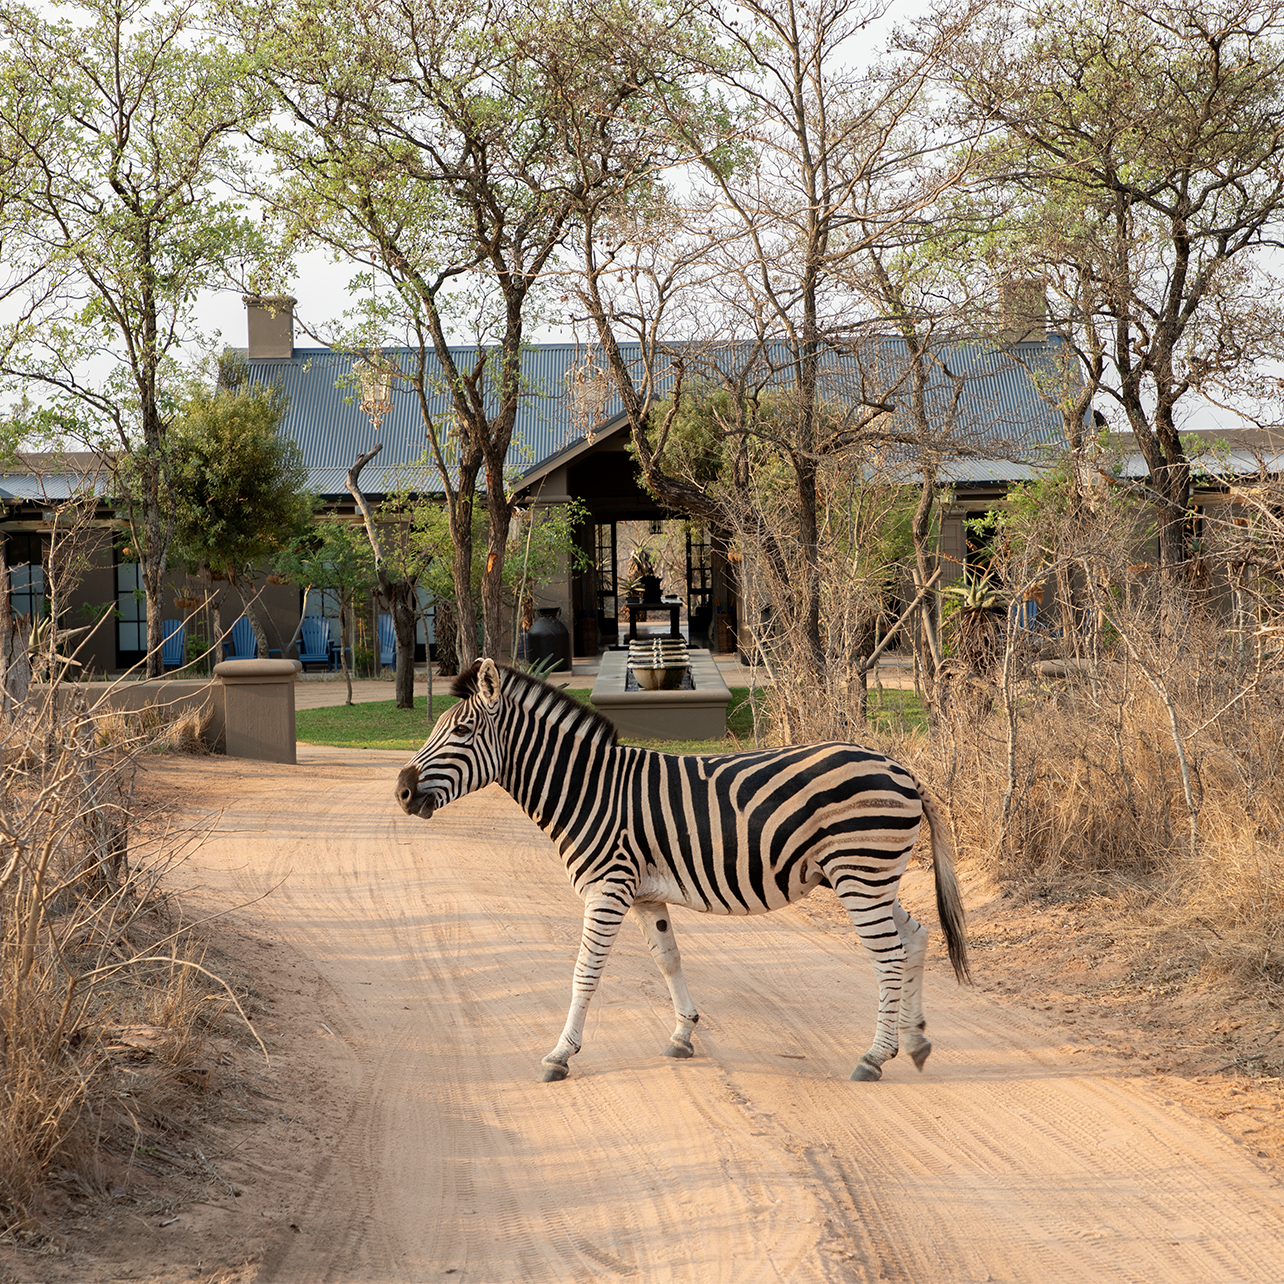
[(462, 731)]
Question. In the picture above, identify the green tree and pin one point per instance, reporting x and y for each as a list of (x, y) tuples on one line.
[(448, 148), (332, 557), (1140, 151), (118, 129), (400, 559), (239, 484)]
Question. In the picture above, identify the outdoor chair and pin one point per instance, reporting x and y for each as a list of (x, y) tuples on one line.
[(314, 642), (387, 643), (241, 642), (1023, 614), (173, 640)]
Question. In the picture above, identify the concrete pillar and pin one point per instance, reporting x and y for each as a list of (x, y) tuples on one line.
[(258, 703)]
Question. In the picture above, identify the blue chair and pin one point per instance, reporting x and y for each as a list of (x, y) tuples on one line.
[(314, 641), (387, 643), (173, 639), (241, 642), (1022, 614)]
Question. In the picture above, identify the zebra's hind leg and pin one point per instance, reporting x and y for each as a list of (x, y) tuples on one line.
[(911, 1019), (873, 919), (603, 914), (657, 929)]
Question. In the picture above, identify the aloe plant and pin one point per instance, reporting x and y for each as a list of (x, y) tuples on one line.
[(976, 634)]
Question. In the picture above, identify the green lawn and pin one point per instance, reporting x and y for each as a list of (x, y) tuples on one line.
[(381, 725), (896, 710)]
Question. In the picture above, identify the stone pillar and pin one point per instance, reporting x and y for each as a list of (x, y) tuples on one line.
[(258, 702)]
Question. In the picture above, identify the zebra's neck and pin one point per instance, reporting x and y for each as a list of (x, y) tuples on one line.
[(558, 763)]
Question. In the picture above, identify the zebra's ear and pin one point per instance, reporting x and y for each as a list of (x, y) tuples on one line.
[(488, 681)]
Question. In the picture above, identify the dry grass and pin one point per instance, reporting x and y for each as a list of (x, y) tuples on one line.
[(1150, 785), (104, 1002), (1131, 757)]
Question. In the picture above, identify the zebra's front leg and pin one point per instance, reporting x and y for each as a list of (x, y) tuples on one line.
[(912, 1021), (657, 929), (603, 914)]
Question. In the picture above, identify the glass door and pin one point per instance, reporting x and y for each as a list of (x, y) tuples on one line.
[(607, 584)]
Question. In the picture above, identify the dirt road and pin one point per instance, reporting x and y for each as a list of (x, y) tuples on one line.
[(444, 953)]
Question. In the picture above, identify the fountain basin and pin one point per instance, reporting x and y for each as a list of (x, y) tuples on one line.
[(699, 714), (668, 678)]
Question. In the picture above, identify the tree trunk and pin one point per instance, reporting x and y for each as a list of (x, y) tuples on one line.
[(926, 657), (154, 588), (345, 639), (500, 516), (465, 617), (447, 652), (402, 605)]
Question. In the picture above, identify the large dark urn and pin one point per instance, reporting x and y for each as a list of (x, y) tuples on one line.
[(549, 639), (650, 588)]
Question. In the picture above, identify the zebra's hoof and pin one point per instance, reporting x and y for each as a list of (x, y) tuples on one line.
[(919, 1055), (679, 1050), (866, 1072), (553, 1072)]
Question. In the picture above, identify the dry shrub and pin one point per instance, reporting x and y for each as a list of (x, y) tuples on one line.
[(1134, 750), (189, 731), (89, 944), (1156, 758)]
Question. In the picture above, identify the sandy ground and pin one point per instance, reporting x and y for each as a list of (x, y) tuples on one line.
[(411, 974)]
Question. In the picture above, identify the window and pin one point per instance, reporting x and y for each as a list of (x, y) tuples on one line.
[(131, 613), (24, 553), (604, 540)]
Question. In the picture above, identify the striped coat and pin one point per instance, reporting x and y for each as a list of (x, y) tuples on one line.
[(724, 834)]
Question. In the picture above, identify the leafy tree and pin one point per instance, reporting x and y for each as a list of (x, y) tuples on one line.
[(118, 130), (399, 562), (541, 541), (448, 148), (334, 557), (809, 166), (1139, 150), (238, 483)]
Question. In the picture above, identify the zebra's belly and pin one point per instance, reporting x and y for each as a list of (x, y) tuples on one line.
[(664, 887)]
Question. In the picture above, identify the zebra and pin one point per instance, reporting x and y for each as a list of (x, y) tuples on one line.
[(739, 833)]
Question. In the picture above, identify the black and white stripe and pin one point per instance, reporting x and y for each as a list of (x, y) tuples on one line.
[(726, 834)]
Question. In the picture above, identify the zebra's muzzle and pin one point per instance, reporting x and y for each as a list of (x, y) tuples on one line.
[(413, 803)]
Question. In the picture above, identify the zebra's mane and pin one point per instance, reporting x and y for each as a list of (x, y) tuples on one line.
[(521, 686)]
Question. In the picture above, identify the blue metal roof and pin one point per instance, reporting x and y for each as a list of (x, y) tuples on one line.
[(986, 401), (54, 477), (326, 419)]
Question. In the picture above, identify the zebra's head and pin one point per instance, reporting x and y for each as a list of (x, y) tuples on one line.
[(464, 751)]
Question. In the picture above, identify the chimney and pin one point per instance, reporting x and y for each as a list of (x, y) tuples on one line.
[(270, 322), (1023, 311)]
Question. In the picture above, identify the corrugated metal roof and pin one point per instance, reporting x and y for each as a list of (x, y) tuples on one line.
[(986, 400), (52, 488), (326, 420), (1235, 463)]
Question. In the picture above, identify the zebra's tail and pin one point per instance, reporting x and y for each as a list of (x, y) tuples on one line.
[(949, 902)]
